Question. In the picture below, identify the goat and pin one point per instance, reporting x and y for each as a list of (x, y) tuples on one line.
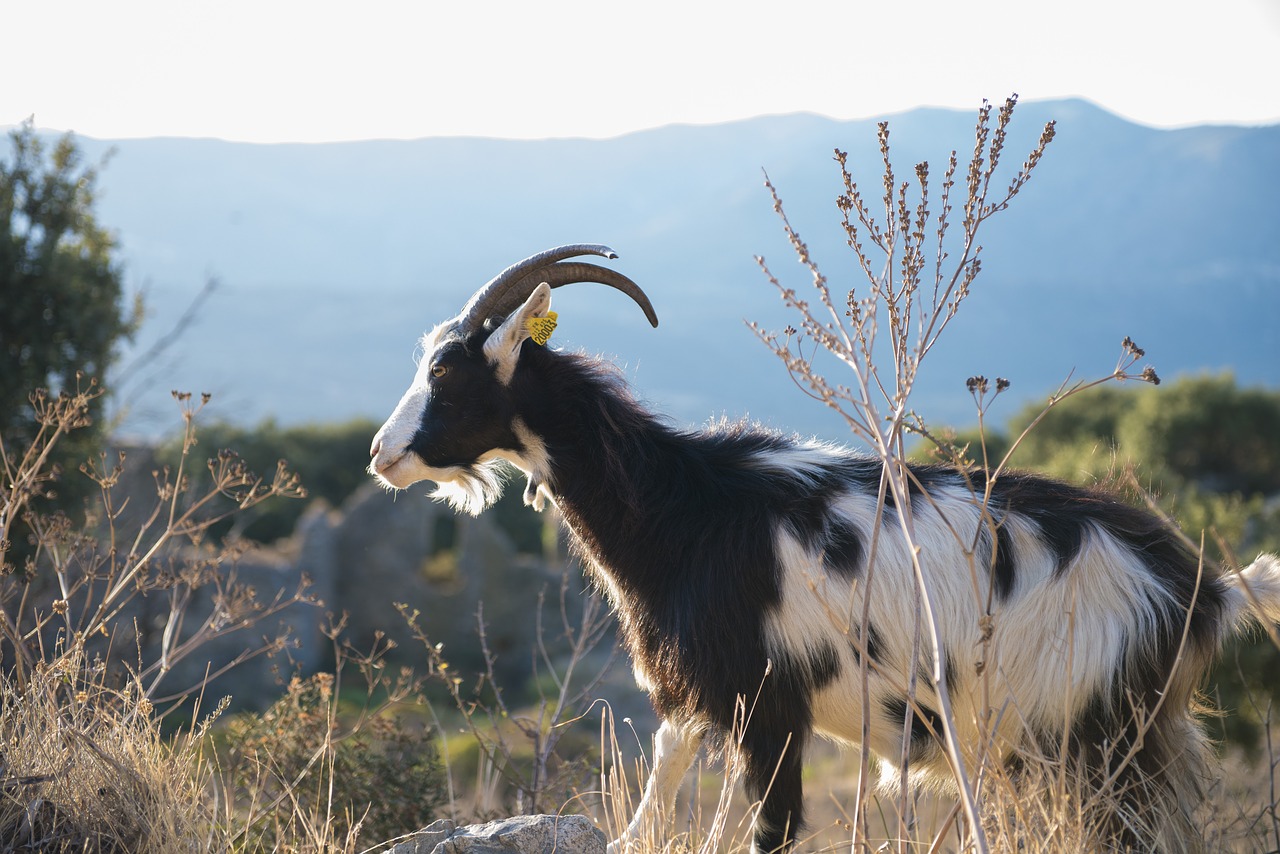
[(732, 555)]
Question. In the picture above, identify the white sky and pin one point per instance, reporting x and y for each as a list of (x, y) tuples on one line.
[(314, 70)]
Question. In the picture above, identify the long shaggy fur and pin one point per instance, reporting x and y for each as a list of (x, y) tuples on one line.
[(741, 562)]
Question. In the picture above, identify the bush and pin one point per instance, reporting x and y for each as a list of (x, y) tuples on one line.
[(85, 762), (381, 777), (86, 768)]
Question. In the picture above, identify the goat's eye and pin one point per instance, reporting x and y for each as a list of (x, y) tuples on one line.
[(438, 370)]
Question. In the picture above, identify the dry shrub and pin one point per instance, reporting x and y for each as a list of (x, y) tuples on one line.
[(916, 263), (310, 781), (86, 768)]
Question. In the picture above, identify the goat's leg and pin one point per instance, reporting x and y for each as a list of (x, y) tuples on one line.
[(674, 749), (773, 779)]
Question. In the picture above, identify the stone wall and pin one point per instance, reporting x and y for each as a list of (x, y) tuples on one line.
[(362, 559)]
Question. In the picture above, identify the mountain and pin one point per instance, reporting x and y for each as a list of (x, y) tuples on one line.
[(331, 259)]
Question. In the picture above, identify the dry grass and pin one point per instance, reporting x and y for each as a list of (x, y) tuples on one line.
[(87, 768), (86, 763), (1038, 811)]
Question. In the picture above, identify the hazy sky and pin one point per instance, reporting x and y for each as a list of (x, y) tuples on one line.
[(282, 70)]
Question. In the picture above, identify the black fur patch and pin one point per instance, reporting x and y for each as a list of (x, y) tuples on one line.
[(805, 517), (1062, 512), (922, 741), (875, 645), (842, 548), (924, 673), (809, 519), (453, 435), (1002, 564)]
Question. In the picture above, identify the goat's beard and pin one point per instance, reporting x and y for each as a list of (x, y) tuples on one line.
[(473, 488)]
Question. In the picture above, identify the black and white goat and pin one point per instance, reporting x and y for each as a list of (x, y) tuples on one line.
[(731, 556)]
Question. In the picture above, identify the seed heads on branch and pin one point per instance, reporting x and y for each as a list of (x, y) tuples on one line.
[(898, 299), (904, 296)]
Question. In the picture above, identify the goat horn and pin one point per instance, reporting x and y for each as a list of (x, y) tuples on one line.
[(570, 272), (507, 290)]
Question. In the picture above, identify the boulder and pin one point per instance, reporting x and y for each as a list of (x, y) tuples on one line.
[(409, 548), (521, 834)]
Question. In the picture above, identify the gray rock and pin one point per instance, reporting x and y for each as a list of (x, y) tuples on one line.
[(425, 840), (522, 834), (376, 550), (388, 551)]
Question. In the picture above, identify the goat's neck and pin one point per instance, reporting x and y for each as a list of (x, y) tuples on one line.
[(608, 464)]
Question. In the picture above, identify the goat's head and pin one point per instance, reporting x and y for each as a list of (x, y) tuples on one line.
[(458, 418)]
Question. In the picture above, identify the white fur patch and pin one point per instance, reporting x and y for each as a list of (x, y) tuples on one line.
[(471, 489), (392, 463), (1254, 593), (1080, 639), (809, 460)]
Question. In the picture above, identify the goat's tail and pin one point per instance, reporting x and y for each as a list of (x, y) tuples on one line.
[(1253, 593)]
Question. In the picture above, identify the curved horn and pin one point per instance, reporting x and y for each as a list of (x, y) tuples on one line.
[(570, 272), (507, 290)]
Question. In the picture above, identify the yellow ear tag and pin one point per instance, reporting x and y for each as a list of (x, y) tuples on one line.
[(540, 328)]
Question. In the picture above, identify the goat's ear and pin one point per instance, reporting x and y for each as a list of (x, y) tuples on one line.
[(503, 347)]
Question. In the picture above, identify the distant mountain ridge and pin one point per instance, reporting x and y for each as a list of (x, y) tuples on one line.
[(333, 258)]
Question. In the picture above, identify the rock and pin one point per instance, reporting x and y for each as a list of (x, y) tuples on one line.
[(376, 550), (425, 840), (409, 548), (522, 834)]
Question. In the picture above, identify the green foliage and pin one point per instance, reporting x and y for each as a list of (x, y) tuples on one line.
[(330, 460), (1207, 431), (382, 774), (60, 289), (1202, 431), (1077, 441)]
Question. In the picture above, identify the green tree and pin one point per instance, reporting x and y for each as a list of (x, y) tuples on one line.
[(1077, 440), (1207, 431), (62, 309)]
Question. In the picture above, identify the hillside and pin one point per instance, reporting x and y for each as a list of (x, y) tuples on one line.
[(333, 258)]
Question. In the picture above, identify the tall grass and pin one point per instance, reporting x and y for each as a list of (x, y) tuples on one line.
[(93, 755), (87, 768)]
